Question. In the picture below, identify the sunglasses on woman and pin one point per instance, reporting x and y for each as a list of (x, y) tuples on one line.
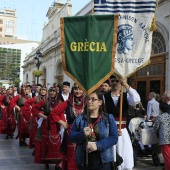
[(117, 81)]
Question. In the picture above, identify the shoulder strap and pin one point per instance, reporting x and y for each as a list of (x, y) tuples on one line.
[(108, 118)]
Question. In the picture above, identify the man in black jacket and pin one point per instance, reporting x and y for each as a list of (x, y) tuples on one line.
[(112, 99), (112, 103)]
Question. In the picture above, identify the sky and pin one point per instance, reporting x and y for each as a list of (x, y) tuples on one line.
[(31, 14)]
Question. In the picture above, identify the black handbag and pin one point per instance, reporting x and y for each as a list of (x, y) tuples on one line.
[(119, 160), (112, 166)]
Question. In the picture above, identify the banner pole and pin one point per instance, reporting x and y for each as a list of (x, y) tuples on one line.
[(92, 8), (88, 118), (121, 104)]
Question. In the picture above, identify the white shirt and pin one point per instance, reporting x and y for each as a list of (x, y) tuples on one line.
[(132, 97), (115, 98), (15, 93), (30, 95), (36, 94), (65, 97), (152, 108)]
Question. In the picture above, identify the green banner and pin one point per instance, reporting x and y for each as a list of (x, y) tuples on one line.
[(88, 45)]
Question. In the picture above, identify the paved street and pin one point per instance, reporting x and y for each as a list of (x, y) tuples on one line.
[(13, 157), (147, 164)]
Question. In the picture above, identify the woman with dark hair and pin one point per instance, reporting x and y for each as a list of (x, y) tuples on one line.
[(23, 117), (0, 91), (47, 140), (94, 132), (8, 124), (4, 91), (15, 90), (71, 108), (162, 128), (33, 122)]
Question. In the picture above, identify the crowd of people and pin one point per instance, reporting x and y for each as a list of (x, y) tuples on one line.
[(78, 132)]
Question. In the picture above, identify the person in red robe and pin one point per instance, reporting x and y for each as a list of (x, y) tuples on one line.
[(72, 108), (0, 113), (8, 123), (48, 140), (23, 117), (34, 118), (0, 91)]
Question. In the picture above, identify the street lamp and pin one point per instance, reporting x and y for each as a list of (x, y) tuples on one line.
[(17, 76), (38, 60), (17, 72), (10, 78)]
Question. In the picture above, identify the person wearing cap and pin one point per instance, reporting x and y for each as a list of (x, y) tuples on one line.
[(22, 90), (23, 118), (0, 91), (65, 94), (0, 109), (37, 91), (112, 99), (30, 94), (112, 104), (8, 123), (48, 140), (15, 90), (105, 87), (27, 108), (72, 108), (4, 90)]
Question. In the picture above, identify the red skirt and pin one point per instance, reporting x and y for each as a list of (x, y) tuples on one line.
[(4, 121), (123, 125), (0, 126), (71, 148), (37, 157), (165, 149), (8, 123), (71, 163), (23, 127), (48, 150), (33, 130)]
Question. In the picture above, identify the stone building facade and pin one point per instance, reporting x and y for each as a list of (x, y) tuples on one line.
[(51, 65)]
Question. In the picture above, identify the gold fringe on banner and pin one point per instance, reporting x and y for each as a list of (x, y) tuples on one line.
[(145, 64), (153, 25)]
